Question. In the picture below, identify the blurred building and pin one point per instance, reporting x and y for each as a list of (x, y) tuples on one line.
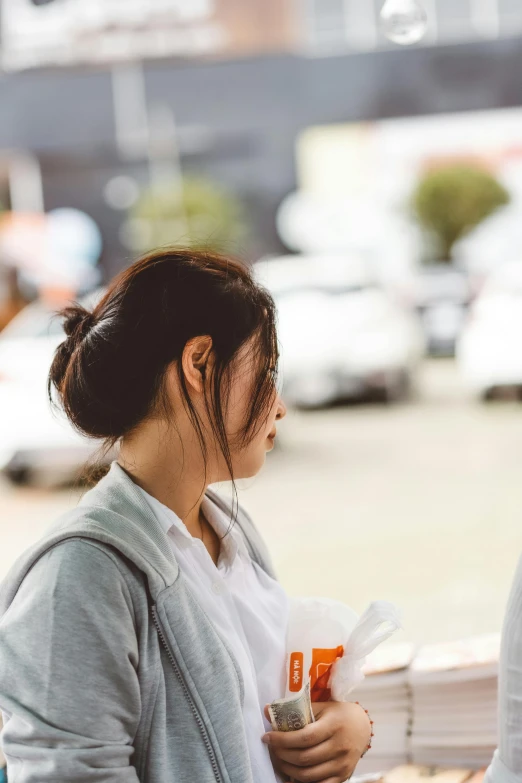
[(237, 80), (353, 25), (70, 32)]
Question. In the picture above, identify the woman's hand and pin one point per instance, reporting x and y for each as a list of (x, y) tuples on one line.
[(326, 751)]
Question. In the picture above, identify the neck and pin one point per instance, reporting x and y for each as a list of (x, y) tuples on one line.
[(170, 475)]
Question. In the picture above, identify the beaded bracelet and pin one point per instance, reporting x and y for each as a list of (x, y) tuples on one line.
[(371, 724)]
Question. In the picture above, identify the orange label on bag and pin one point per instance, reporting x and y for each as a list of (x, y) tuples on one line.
[(322, 662), (296, 672)]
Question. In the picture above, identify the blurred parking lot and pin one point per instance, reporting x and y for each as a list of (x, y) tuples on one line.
[(418, 503)]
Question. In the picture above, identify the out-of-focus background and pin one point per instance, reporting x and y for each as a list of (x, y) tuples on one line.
[(370, 167), (378, 188)]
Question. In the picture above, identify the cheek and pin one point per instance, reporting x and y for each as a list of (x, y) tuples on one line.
[(248, 461), (238, 407), (256, 444)]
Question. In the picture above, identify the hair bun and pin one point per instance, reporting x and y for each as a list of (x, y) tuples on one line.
[(77, 321)]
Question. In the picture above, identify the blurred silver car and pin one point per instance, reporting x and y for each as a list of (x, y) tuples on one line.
[(37, 444), (342, 336)]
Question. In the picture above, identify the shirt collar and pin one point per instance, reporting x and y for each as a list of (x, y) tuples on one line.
[(232, 542)]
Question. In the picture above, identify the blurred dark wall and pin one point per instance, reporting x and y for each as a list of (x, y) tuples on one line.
[(246, 115)]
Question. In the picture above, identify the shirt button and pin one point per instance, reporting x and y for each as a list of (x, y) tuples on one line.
[(218, 587)]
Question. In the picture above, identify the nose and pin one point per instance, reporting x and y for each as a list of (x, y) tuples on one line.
[(281, 409)]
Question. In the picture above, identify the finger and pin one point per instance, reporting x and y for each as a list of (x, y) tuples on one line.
[(337, 779), (308, 757), (313, 774), (267, 714), (308, 737), (344, 778)]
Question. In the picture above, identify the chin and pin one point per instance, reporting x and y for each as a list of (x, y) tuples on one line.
[(246, 471)]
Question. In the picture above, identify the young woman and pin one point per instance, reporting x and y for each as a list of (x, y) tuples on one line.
[(143, 637)]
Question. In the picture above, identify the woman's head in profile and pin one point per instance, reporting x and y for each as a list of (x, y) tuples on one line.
[(180, 355)]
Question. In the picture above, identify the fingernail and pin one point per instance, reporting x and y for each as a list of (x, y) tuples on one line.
[(266, 739)]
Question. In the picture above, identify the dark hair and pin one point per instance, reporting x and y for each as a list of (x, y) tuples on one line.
[(109, 372)]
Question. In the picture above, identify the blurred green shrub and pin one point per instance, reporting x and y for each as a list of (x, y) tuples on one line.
[(450, 201), (197, 214)]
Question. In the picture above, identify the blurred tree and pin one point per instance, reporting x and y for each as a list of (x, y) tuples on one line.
[(450, 201), (197, 214)]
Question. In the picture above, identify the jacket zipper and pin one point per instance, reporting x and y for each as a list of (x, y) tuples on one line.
[(173, 662), (197, 716)]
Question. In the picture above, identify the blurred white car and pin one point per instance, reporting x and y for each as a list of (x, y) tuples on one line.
[(37, 444), (341, 336), (489, 351)]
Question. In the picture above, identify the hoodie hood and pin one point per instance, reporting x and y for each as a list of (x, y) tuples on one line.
[(116, 514)]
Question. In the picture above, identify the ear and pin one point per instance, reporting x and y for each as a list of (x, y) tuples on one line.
[(195, 361)]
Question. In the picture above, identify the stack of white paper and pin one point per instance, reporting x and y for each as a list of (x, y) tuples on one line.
[(385, 693), (417, 774), (454, 702)]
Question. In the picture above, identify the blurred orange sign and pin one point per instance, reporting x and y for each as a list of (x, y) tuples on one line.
[(23, 239)]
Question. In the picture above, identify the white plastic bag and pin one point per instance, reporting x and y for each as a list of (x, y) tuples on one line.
[(328, 642)]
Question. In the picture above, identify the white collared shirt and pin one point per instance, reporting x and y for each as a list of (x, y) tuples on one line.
[(247, 607)]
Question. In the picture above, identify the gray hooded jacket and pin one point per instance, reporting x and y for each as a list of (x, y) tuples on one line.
[(109, 668)]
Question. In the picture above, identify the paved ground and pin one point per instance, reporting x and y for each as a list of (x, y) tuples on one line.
[(420, 504)]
